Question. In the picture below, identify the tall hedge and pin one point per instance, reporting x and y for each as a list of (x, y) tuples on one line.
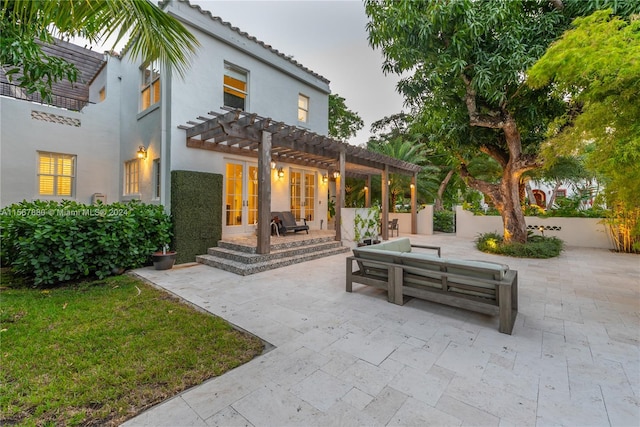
[(59, 241), (196, 209)]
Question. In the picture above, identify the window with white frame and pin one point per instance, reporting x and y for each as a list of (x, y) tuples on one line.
[(303, 108), (56, 174), (150, 87), (156, 178), (235, 87), (132, 177)]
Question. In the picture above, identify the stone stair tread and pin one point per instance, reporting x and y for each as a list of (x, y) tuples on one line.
[(274, 254), (244, 268)]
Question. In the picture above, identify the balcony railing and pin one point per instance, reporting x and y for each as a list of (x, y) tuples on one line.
[(13, 91)]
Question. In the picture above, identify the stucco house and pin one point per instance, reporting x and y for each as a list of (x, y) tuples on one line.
[(240, 136)]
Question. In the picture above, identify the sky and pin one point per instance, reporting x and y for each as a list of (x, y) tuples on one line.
[(329, 38)]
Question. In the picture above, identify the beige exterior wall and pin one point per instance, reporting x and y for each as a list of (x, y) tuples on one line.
[(581, 232)]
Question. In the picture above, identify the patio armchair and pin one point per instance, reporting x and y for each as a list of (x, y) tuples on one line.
[(393, 225), (290, 224)]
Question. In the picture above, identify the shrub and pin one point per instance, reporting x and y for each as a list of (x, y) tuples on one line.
[(444, 221), (536, 246), (59, 241)]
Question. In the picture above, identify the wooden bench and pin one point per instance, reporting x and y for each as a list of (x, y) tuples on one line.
[(480, 286)]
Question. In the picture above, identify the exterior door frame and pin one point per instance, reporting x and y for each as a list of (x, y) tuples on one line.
[(240, 212)]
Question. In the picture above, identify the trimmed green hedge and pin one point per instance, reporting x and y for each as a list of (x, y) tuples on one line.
[(196, 209), (444, 221), (60, 241)]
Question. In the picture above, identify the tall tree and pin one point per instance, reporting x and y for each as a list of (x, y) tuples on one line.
[(395, 136), (468, 61), (597, 66), (343, 123), (25, 24)]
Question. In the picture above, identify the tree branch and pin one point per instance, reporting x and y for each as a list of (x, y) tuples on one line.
[(492, 190), (494, 152), (557, 4), (475, 118)]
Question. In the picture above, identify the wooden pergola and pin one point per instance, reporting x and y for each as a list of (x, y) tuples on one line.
[(247, 134)]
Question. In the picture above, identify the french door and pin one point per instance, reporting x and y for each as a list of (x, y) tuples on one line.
[(241, 197), (303, 194)]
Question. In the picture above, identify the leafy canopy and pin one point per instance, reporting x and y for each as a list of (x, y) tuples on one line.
[(343, 123), (596, 65), (154, 35)]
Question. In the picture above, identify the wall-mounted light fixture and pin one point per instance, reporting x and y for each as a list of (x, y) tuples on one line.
[(142, 153), (325, 178), (366, 188), (280, 173), (336, 174), (273, 164), (412, 186)]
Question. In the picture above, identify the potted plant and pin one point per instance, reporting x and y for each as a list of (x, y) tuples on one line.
[(164, 259)]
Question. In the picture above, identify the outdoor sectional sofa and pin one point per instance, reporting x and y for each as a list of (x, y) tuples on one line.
[(481, 286)]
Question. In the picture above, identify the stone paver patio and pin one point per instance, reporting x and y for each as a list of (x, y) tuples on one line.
[(353, 359)]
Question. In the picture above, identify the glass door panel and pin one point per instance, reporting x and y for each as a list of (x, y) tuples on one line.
[(252, 197), (309, 196), (296, 193), (241, 197), (303, 194), (234, 198)]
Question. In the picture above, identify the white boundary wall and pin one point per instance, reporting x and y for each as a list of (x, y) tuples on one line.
[(582, 232), (425, 223)]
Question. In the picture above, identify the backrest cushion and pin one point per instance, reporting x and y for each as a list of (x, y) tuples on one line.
[(479, 269), (402, 244)]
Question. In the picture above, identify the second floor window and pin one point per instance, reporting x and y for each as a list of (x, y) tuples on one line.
[(303, 108), (132, 177), (150, 87), (235, 87), (56, 174)]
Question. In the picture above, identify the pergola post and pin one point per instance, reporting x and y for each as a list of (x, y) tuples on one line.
[(340, 194), (264, 194), (384, 186), (414, 210)]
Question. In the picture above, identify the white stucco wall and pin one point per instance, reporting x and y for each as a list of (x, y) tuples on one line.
[(95, 142), (582, 232)]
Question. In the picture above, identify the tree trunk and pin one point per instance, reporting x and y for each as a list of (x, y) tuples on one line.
[(530, 195), (506, 194), (438, 205), (552, 197)]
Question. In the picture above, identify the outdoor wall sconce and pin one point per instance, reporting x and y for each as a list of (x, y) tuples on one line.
[(325, 178), (142, 153), (336, 174), (366, 188), (412, 186), (280, 173), (273, 164)]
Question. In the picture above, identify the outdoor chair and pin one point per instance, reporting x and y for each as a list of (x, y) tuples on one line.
[(393, 225), (290, 224)]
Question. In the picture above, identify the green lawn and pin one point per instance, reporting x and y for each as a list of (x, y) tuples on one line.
[(100, 352)]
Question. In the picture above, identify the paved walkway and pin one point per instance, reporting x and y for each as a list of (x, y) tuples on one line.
[(353, 359)]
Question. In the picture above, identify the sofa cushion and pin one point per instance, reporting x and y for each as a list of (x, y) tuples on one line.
[(402, 244), (479, 269)]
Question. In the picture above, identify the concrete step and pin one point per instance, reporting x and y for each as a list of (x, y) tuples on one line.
[(246, 268), (276, 253), (276, 244)]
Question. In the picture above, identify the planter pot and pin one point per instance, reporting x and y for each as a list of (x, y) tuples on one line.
[(164, 261)]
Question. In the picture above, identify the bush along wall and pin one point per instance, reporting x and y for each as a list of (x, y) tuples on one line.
[(59, 241), (196, 210)]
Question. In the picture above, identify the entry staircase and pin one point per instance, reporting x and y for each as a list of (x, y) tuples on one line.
[(239, 256)]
